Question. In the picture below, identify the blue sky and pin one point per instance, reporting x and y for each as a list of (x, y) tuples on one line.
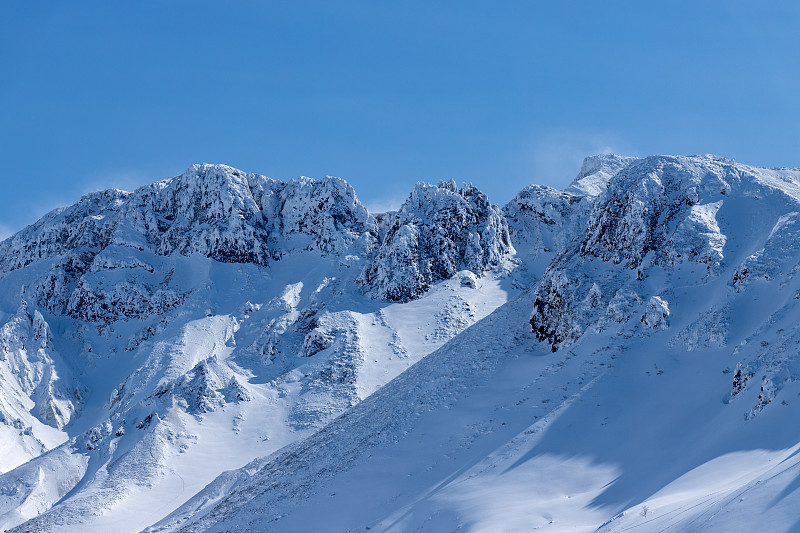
[(383, 94)]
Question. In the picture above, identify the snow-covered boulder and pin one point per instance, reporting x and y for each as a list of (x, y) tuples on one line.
[(468, 279), (656, 314)]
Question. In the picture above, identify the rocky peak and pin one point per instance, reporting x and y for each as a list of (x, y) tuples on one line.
[(664, 215), (88, 224), (438, 231), (209, 209), (214, 210), (325, 215), (541, 221)]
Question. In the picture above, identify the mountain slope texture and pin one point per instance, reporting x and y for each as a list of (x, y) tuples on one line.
[(221, 351)]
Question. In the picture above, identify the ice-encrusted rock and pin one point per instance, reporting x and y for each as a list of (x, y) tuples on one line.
[(231, 216), (551, 321), (439, 230), (740, 378), (324, 215), (212, 210), (87, 226), (123, 300), (665, 206), (620, 307)]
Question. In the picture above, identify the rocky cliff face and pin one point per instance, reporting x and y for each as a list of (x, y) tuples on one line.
[(666, 206)]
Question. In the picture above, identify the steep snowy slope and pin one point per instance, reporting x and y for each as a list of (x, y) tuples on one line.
[(154, 339), (647, 381)]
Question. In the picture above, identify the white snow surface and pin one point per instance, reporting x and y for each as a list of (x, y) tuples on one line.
[(224, 352)]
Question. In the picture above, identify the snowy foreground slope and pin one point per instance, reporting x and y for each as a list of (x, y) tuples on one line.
[(224, 352)]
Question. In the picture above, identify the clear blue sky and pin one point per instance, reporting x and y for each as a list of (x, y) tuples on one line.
[(383, 94)]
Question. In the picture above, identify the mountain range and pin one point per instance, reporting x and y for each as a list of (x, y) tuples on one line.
[(221, 351)]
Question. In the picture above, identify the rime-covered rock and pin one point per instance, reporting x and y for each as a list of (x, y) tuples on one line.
[(439, 230), (326, 216), (552, 321), (211, 210), (667, 206), (620, 307), (664, 215)]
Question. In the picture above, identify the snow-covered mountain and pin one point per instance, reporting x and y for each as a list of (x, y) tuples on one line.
[(156, 338), (220, 351)]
